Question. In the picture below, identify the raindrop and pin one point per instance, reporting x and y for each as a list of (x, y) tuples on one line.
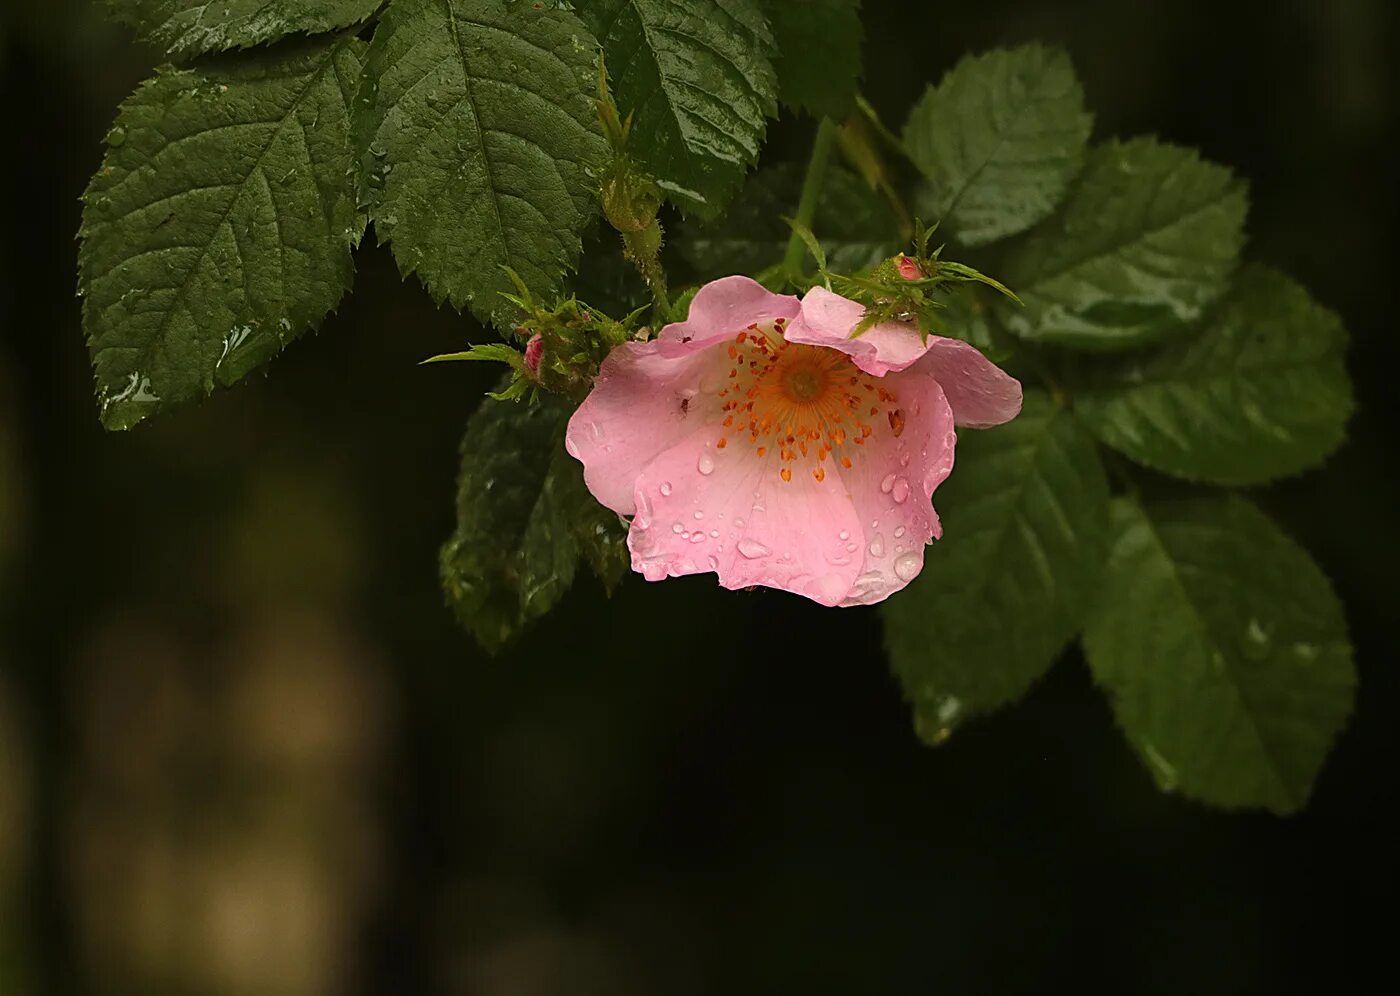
[(829, 587), (752, 549), (665, 488), (907, 566), (899, 533), (116, 137), (877, 546), (714, 534), (699, 514), (1257, 641), (676, 527), (706, 463), (845, 534), (901, 490), (697, 537), (1162, 769), (887, 484)]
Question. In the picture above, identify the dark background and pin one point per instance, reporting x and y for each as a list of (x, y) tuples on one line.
[(244, 749)]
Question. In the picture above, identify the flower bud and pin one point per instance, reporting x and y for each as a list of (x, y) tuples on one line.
[(908, 268), (533, 351)]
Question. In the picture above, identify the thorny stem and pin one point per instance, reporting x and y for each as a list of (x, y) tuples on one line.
[(811, 192), (655, 277), (642, 248)]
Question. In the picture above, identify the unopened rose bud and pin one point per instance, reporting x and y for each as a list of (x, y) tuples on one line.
[(909, 269), (533, 350)]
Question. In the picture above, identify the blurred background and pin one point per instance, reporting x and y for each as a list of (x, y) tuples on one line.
[(245, 750)]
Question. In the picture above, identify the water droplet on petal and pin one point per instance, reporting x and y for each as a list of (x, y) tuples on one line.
[(665, 488), (899, 533), (887, 484), (845, 534), (706, 463), (676, 527), (877, 546), (828, 587), (907, 566), (714, 534), (900, 491), (752, 548), (697, 537), (699, 514)]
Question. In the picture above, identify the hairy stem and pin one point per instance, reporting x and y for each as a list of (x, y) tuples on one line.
[(811, 192)]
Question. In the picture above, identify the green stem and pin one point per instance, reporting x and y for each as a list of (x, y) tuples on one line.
[(656, 280), (811, 193)]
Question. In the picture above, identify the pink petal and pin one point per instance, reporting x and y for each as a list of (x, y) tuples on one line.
[(828, 319), (727, 305), (702, 509), (980, 393), (891, 483), (647, 397)]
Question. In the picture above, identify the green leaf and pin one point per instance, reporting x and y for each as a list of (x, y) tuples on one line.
[(220, 224), (1261, 391), (192, 27), (489, 352), (478, 143), (524, 517), (1146, 241), (853, 223), (1224, 651), (698, 79), (999, 140), (818, 61), (1025, 517)]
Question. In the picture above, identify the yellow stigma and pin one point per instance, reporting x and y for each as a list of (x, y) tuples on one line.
[(804, 401)]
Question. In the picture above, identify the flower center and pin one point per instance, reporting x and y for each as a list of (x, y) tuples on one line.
[(805, 403), (803, 383)]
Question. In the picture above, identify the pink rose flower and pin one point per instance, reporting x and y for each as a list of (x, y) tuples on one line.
[(757, 440)]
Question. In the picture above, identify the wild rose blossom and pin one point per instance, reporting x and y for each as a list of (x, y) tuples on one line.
[(758, 440)]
